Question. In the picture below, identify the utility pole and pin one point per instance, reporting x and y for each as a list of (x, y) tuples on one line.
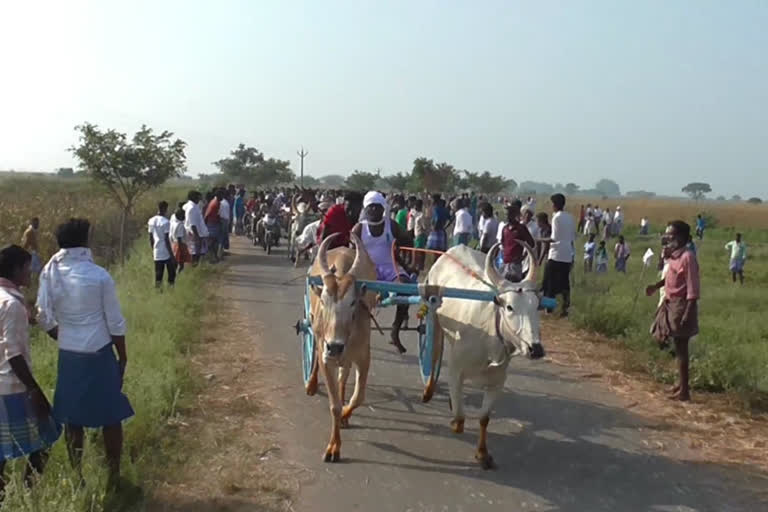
[(302, 154)]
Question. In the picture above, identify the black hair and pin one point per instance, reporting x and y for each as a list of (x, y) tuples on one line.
[(162, 205), (682, 229), (419, 204), (487, 210), (542, 216), (353, 196), (192, 195), (558, 200), (73, 233), (13, 258)]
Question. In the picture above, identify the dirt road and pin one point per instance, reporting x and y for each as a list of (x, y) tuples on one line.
[(561, 442)]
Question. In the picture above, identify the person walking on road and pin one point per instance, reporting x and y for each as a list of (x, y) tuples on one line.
[(677, 317), (561, 252), (738, 251), (159, 228)]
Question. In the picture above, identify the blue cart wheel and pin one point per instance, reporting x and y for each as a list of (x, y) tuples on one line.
[(426, 347), (307, 341)]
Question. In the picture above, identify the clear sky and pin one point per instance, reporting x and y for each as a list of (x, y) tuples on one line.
[(653, 94)]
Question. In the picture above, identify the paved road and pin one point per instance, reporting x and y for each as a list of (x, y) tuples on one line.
[(561, 442)]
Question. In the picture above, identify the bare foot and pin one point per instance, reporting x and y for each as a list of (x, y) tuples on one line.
[(682, 397), (399, 346)]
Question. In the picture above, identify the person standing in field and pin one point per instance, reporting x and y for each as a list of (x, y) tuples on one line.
[(463, 228), (438, 239), (545, 232), (589, 254), (197, 231), (178, 237), (677, 317), (27, 428), (601, 258), (77, 305), (582, 219), (239, 211), (590, 226), (644, 225), (607, 224), (738, 250), (420, 233), (30, 243), (561, 252), (213, 223), (621, 253), (225, 216), (487, 228), (530, 222), (700, 226), (159, 229), (618, 221)]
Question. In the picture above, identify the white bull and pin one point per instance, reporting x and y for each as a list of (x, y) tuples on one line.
[(483, 336)]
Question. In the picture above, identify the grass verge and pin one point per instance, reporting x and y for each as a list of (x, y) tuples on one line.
[(162, 328)]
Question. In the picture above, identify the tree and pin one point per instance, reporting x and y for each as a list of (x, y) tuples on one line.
[(247, 164), (361, 180), (754, 200), (333, 180), (608, 188), (697, 190), (535, 188), (486, 183), (128, 168), (309, 182), (65, 172), (571, 189), (640, 193), (398, 182), (736, 197), (721, 198)]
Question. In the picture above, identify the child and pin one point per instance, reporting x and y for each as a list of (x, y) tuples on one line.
[(178, 238), (621, 252), (589, 253), (601, 257)]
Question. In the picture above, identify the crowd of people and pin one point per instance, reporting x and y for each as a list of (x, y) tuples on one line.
[(77, 304)]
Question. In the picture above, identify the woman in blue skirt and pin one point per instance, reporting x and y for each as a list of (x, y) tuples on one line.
[(27, 428), (77, 305)]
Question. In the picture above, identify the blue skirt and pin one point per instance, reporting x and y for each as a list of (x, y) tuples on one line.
[(437, 241), (21, 432), (88, 390)]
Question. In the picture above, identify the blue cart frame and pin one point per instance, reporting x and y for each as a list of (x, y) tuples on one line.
[(394, 294)]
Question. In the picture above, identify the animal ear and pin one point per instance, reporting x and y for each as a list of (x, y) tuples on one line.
[(317, 290)]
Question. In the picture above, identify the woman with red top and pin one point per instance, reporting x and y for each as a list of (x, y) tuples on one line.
[(678, 315)]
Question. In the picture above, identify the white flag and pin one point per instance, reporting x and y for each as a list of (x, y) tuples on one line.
[(648, 257)]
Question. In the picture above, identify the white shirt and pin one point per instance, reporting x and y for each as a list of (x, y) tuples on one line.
[(488, 226), (411, 224), (225, 210), (563, 236), (79, 297), (194, 217), (643, 222), (178, 232), (618, 216), (500, 231), (159, 227), (607, 217), (463, 222), (14, 339), (309, 235), (533, 228), (420, 226)]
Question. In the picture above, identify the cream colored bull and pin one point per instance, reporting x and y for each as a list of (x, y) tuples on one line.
[(483, 336), (341, 321)]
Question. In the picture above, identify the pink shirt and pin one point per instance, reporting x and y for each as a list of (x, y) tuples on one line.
[(682, 280)]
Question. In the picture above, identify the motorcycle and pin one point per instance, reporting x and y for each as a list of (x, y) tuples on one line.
[(271, 232)]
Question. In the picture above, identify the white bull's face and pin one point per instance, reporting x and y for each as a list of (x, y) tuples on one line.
[(518, 305)]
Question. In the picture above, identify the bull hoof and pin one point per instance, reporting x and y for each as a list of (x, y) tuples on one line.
[(457, 426), (331, 457), (485, 460)]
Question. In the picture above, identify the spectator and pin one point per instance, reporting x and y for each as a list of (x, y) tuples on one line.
[(27, 428), (225, 217), (438, 239), (159, 241), (30, 243), (582, 219), (700, 225), (601, 258), (618, 221), (462, 231), (590, 226), (738, 258), (608, 224), (487, 228), (545, 232), (213, 223), (341, 218), (530, 222), (194, 223), (239, 210), (677, 318), (621, 252), (644, 225), (420, 232), (560, 259), (77, 305), (589, 254), (513, 253), (178, 237)]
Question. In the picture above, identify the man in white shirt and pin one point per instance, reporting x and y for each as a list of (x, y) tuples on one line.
[(462, 231), (530, 221), (159, 228), (225, 215), (561, 253), (195, 226)]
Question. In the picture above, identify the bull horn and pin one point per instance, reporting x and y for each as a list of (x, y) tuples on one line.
[(357, 263), (322, 255), (491, 273), (533, 261)]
